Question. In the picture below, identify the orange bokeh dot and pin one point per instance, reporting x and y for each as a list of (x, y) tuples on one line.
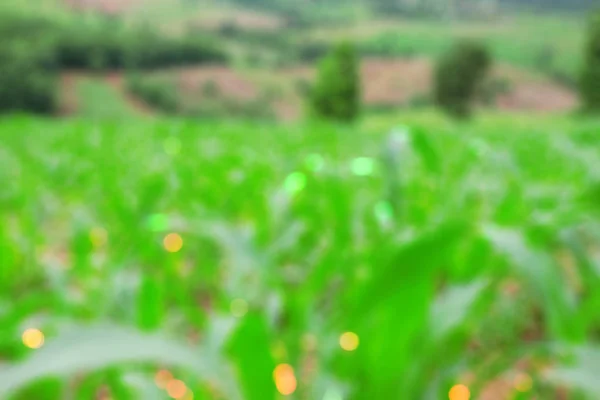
[(176, 389), (173, 242), (285, 380), (459, 392), (162, 378)]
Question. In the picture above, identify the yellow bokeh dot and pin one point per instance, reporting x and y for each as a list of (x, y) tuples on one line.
[(33, 338), (173, 242), (239, 308), (349, 341), (285, 380), (98, 237), (523, 382), (459, 392), (162, 378), (176, 389)]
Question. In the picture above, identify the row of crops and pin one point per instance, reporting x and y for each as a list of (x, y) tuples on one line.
[(396, 259)]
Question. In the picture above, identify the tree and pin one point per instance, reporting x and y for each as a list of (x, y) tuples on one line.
[(28, 73), (458, 76), (336, 94), (589, 86)]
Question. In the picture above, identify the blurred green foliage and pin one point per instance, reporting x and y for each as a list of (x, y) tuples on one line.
[(457, 253)]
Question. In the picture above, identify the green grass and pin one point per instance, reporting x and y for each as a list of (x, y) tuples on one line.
[(465, 251), (99, 100)]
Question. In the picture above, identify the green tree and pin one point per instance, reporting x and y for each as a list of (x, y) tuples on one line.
[(458, 75), (336, 94), (589, 86), (28, 77)]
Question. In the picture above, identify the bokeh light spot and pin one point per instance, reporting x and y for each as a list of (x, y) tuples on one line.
[(285, 380), (383, 211), (239, 308), (459, 392), (176, 389), (98, 237), (162, 378), (33, 338), (173, 242), (157, 222), (363, 166), (523, 382), (349, 341), (294, 183)]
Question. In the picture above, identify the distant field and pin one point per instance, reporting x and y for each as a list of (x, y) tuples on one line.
[(386, 84), (534, 42)]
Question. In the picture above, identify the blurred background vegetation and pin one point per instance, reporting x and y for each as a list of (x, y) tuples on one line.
[(325, 199)]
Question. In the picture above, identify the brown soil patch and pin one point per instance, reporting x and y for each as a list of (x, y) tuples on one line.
[(535, 96), (394, 82), (67, 93), (228, 83)]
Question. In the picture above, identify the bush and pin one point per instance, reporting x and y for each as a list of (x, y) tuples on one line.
[(458, 76), (92, 46), (28, 74), (589, 86), (310, 52), (336, 93), (157, 92)]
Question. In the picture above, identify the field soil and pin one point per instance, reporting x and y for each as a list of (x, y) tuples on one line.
[(385, 83)]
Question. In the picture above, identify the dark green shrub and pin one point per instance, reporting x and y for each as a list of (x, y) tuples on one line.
[(336, 93), (312, 51), (589, 85), (28, 74), (458, 76), (146, 50), (92, 46), (26, 83), (157, 92)]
